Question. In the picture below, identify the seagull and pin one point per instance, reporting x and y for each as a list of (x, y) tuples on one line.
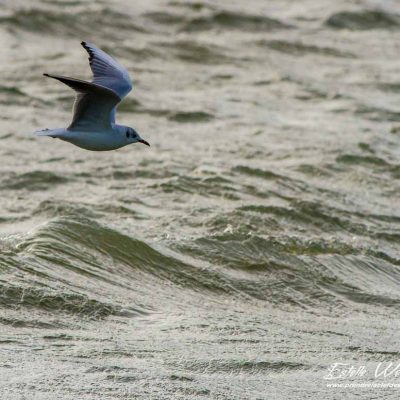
[(93, 124)]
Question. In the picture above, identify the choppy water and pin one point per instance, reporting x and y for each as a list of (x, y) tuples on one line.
[(253, 245)]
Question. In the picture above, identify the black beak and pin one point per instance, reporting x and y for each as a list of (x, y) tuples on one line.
[(144, 142)]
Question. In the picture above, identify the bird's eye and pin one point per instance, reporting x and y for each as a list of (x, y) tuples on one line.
[(127, 134)]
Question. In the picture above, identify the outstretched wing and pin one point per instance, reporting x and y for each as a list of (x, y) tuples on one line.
[(93, 106), (108, 72)]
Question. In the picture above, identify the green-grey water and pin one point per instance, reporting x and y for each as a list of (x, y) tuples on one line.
[(252, 246)]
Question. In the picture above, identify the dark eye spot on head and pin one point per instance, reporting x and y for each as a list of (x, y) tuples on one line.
[(127, 134)]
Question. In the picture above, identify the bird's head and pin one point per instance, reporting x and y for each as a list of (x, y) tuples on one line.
[(132, 136)]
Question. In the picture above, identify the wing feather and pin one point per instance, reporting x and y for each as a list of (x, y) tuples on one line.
[(107, 71), (94, 104)]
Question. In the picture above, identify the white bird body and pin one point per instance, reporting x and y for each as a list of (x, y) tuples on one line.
[(93, 125), (105, 140)]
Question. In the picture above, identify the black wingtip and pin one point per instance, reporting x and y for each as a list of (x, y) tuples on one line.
[(88, 49), (45, 74)]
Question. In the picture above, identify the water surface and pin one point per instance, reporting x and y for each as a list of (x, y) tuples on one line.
[(253, 245)]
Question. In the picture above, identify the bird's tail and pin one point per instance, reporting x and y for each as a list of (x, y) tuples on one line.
[(54, 133)]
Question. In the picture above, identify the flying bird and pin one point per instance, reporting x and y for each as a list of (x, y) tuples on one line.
[(93, 125)]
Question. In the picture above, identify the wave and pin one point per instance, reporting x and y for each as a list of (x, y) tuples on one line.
[(191, 116), (239, 366), (79, 23), (377, 113), (35, 180), (194, 52), (289, 271), (234, 20), (357, 159), (14, 96), (75, 265), (363, 20), (298, 49), (215, 19)]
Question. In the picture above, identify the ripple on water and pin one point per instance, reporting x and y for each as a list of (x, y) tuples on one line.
[(299, 48), (234, 20), (31, 181), (195, 52), (67, 24), (363, 20), (191, 116)]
